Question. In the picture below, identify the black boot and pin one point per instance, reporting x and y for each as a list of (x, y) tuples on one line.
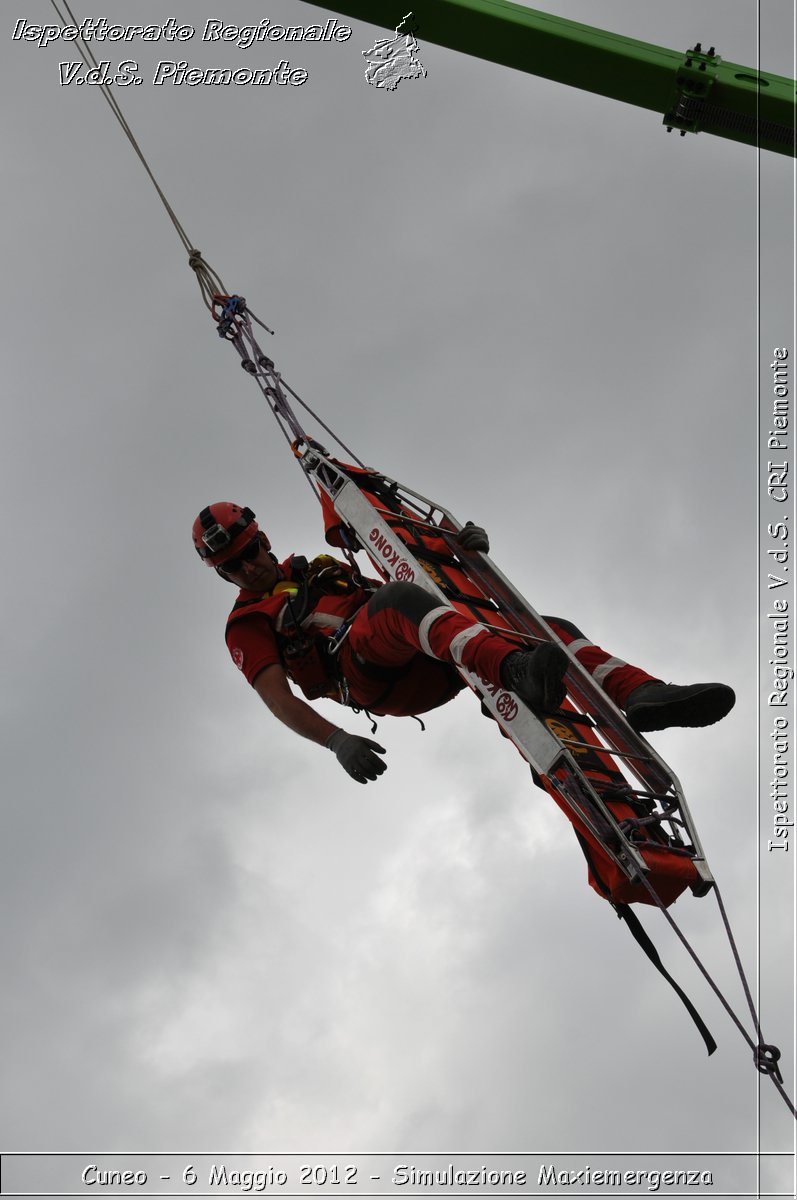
[(656, 705), (536, 676)]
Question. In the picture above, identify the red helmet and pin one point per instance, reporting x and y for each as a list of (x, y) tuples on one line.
[(222, 530)]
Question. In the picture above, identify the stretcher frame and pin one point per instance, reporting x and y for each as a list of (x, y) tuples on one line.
[(550, 755)]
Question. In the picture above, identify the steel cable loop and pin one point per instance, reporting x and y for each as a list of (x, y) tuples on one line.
[(767, 1059), (210, 283)]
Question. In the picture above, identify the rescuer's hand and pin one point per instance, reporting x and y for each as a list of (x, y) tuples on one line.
[(356, 755), (473, 537)]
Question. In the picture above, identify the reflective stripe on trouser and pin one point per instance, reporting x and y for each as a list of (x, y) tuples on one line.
[(617, 677), (402, 620)]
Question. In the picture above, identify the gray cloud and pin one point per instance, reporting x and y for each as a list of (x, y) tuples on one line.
[(486, 282)]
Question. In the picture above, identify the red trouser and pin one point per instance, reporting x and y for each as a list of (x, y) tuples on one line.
[(399, 656)]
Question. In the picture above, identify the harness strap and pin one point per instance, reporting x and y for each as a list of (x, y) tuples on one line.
[(625, 913)]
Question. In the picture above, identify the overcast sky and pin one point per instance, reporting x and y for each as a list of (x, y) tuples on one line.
[(525, 301)]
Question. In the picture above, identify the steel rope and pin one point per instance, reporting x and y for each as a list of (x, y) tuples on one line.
[(715, 988), (209, 282), (87, 55)]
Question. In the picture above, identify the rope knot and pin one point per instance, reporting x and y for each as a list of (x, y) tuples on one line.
[(766, 1060)]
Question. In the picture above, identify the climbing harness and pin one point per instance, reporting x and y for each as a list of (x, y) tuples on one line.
[(309, 613), (625, 804)]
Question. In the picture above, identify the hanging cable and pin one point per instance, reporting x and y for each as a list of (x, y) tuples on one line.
[(209, 282), (211, 286), (766, 1057), (87, 55)]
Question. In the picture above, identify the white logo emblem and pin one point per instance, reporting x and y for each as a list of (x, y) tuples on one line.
[(392, 59)]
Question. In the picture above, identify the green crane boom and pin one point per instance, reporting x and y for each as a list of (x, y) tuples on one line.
[(694, 91)]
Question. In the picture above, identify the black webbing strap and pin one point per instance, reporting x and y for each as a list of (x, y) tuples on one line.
[(625, 913)]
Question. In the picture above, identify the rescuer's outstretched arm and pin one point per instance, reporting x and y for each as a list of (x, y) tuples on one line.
[(355, 754), (274, 690)]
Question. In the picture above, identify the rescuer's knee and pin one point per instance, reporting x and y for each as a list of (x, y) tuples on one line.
[(567, 626)]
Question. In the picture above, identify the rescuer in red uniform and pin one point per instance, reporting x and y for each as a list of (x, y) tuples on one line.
[(399, 647)]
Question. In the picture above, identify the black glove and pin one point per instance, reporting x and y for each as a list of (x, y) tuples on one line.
[(473, 537), (356, 755)]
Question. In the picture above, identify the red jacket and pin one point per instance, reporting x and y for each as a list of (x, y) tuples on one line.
[(291, 624)]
